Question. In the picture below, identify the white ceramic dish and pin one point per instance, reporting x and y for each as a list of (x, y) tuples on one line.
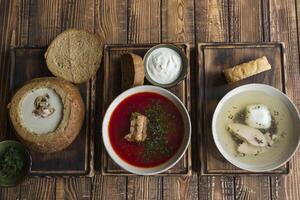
[(173, 160), (278, 157)]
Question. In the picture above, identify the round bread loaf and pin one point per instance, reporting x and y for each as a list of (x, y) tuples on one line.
[(47, 114), (74, 55)]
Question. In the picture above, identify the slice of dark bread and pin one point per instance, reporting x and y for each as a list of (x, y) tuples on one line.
[(74, 55), (132, 67)]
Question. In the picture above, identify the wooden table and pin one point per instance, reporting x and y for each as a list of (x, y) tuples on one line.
[(37, 22)]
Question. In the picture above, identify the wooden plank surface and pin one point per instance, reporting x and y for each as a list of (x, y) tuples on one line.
[(178, 26), (37, 22), (283, 27)]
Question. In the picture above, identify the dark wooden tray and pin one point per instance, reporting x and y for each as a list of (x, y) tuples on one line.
[(112, 88), (212, 86), (77, 159)]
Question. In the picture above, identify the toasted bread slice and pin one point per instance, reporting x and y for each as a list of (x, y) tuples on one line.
[(247, 69), (74, 55), (132, 70)]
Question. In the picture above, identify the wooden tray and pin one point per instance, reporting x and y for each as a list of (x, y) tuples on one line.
[(112, 88), (77, 159), (212, 86)]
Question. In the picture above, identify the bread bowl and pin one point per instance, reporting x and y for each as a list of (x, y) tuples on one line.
[(47, 114)]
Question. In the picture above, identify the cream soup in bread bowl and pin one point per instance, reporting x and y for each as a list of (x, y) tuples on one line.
[(47, 114)]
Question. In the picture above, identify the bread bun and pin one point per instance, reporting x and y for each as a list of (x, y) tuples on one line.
[(47, 114)]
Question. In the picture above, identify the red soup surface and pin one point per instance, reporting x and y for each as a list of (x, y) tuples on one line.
[(134, 152)]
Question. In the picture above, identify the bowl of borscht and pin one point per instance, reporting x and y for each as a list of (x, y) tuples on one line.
[(146, 130)]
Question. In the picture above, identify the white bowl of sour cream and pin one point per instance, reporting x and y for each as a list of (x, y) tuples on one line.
[(165, 65)]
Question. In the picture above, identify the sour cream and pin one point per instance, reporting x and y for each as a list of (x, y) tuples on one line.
[(164, 65)]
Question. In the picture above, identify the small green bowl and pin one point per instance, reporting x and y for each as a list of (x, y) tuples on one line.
[(11, 181), (184, 71)]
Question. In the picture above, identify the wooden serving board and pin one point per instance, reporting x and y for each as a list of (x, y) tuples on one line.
[(112, 88), (77, 159), (212, 86)]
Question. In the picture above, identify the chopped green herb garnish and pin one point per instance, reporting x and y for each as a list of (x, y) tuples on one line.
[(156, 141), (11, 162)]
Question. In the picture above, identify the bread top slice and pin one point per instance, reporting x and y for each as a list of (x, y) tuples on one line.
[(74, 55), (133, 72)]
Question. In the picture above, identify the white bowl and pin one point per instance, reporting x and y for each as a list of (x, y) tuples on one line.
[(174, 159), (264, 161)]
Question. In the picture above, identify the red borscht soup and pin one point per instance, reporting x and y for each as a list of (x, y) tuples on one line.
[(165, 129)]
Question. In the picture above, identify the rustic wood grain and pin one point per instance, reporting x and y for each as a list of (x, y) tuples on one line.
[(258, 187), (178, 21), (146, 187), (211, 21), (38, 188), (22, 22), (144, 21), (10, 193), (78, 14), (109, 187), (111, 23), (175, 188), (8, 34), (283, 27), (73, 188), (211, 17), (8, 20), (245, 19), (216, 188), (45, 17), (111, 20), (38, 22), (178, 26)]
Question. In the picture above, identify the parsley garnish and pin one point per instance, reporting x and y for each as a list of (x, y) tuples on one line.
[(156, 141)]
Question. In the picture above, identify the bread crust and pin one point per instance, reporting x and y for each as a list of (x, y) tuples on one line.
[(69, 126), (75, 55), (247, 69)]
